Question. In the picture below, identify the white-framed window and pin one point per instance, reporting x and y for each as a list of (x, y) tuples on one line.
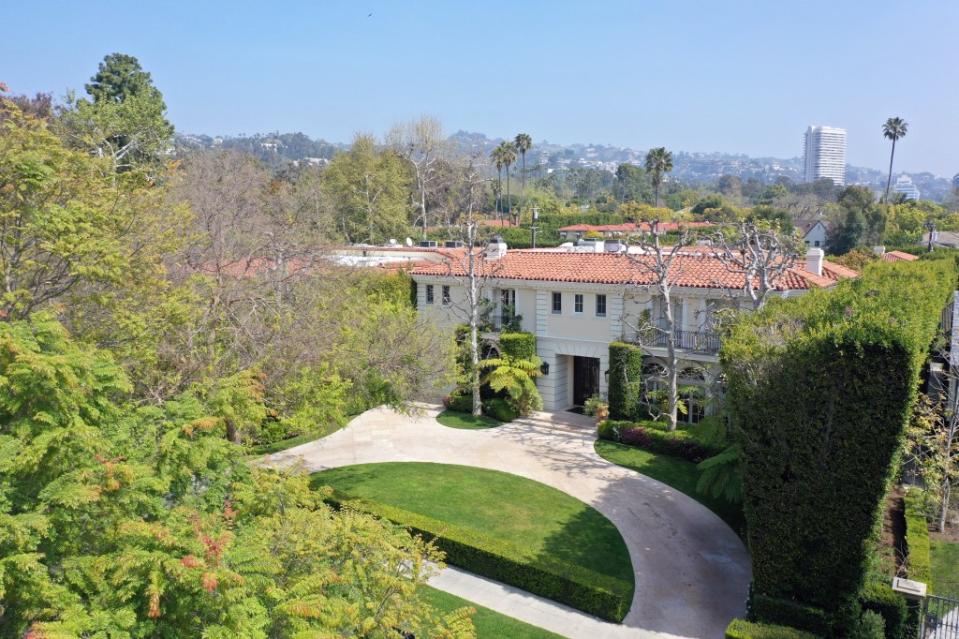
[(507, 305), (446, 295), (557, 303), (578, 303), (429, 293), (600, 306)]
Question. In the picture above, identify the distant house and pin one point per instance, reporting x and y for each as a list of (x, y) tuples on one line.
[(899, 256), (813, 232), (578, 231)]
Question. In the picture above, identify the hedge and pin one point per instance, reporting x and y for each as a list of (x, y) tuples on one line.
[(821, 387), (917, 539), (499, 409), (880, 598), (789, 613), (518, 345), (581, 588), (625, 374), (651, 436), (740, 629)]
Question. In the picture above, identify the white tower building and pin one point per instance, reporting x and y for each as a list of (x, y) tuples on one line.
[(825, 150)]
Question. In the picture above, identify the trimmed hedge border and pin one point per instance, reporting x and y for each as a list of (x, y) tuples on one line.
[(739, 629), (625, 371), (917, 539), (790, 613), (880, 598), (650, 436), (519, 345), (581, 588)]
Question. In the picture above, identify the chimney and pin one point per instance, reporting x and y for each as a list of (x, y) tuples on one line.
[(814, 261), (496, 248)]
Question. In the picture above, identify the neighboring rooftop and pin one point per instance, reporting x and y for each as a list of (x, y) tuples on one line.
[(899, 256), (632, 227)]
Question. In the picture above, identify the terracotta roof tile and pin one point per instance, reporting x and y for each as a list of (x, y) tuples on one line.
[(899, 256), (695, 269), (632, 227)]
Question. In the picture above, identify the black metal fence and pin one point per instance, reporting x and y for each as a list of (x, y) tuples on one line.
[(939, 618)]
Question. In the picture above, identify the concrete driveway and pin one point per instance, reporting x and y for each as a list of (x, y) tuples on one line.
[(692, 570)]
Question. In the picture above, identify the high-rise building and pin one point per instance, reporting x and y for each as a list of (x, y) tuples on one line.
[(905, 186), (825, 150)]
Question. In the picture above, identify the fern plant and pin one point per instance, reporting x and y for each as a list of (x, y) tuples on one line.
[(514, 376)]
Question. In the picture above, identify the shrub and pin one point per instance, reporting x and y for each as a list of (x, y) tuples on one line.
[(499, 408), (625, 381), (518, 345), (879, 597), (821, 387), (460, 401), (651, 436), (917, 538), (871, 626), (598, 594), (790, 613), (739, 629)]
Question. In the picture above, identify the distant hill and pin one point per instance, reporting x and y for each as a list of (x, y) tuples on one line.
[(695, 168)]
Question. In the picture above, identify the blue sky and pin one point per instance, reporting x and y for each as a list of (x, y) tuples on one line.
[(732, 76)]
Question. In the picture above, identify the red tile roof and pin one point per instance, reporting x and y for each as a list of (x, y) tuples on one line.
[(695, 269), (899, 256), (632, 227)]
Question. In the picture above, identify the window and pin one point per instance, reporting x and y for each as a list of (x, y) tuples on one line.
[(578, 303), (429, 293), (600, 306), (557, 303), (446, 295), (816, 242), (507, 306)]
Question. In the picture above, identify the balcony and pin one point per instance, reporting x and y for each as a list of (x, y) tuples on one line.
[(705, 342)]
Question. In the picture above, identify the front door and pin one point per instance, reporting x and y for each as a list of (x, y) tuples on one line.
[(585, 379)]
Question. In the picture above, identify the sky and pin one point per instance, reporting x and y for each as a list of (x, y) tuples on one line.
[(734, 76)]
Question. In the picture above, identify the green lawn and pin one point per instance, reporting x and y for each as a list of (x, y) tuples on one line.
[(283, 444), (945, 568), (678, 473), (534, 519), (489, 623), (455, 419)]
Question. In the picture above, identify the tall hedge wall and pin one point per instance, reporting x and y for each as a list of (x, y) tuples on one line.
[(520, 345), (625, 371), (821, 387)]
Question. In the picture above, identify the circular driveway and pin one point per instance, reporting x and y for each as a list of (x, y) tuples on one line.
[(692, 571)]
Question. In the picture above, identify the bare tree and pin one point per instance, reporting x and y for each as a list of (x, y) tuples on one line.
[(760, 255), (422, 143), (663, 265)]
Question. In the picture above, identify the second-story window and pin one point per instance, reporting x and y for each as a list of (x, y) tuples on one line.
[(429, 293), (600, 306), (507, 306), (557, 303), (446, 295), (578, 303)]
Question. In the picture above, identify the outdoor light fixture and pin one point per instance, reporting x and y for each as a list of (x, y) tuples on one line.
[(606, 375), (544, 368)]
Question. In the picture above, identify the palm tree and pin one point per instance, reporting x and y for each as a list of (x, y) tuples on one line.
[(497, 156), (658, 162), (893, 129), (523, 144), (509, 158)]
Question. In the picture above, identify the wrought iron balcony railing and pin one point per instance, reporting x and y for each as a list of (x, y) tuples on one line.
[(706, 342)]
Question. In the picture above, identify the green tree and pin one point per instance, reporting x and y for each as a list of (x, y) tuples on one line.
[(632, 184), (126, 119), (659, 161), (507, 155), (515, 376), (369, 189), (523, 143), (498, 161), (893, 129)]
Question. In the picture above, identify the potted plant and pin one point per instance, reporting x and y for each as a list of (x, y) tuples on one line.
[(597, 407)]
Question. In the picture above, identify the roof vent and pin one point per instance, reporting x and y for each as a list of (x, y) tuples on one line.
[(613, 246)]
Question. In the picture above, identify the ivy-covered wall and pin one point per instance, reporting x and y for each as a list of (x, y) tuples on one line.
[(820, 388), (625, 373)]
